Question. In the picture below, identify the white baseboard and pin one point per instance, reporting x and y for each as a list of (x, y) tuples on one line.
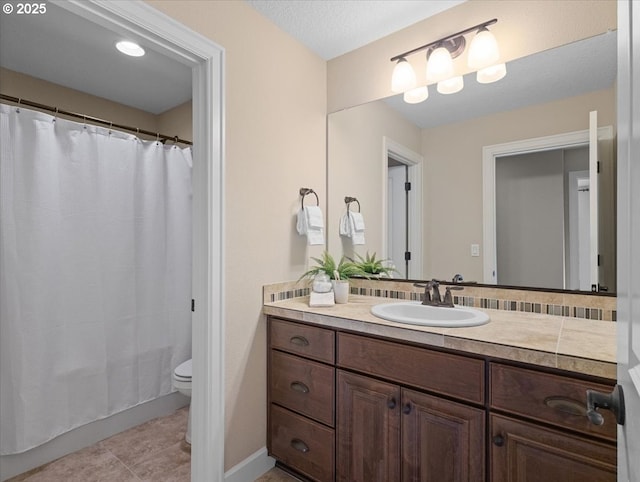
[(81, 437), (250, 468)]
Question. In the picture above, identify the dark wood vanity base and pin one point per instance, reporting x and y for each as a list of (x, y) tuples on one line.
[(349, 406)]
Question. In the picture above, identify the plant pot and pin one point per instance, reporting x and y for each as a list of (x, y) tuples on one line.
[(341, 290)]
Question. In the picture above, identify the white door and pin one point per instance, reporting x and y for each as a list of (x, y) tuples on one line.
[(629, 237), (397, 218)]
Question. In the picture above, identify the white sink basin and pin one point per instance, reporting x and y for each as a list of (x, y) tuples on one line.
[(415, 313)]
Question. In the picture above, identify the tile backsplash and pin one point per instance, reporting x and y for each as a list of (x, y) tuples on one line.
[(574, 305)]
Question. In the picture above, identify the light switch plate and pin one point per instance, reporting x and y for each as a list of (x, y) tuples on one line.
[(475, 250)]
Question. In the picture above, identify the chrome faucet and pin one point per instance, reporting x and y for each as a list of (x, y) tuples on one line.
[(432, 294)]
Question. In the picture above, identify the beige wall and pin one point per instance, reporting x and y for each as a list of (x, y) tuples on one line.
[(453, 173), (275, 143), (355, 169), (524, 27), (177, 122), (54, 95)]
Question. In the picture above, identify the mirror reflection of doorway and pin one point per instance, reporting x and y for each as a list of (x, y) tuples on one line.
[(398, 216), (540, 218)]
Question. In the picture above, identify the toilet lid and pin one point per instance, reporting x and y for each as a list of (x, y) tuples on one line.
[(184, 370)]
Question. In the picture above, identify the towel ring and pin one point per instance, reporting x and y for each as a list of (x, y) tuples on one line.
[(303, 192), (348, 200)]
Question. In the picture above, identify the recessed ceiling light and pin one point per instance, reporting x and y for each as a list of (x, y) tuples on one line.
[(130, 48)]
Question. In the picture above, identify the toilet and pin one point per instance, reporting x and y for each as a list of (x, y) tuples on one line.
[(182, 383)]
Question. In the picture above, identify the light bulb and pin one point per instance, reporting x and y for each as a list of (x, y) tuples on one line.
[(439, 65), (403, 77), (483, 50), (415, 96), (491, 74), (451, 86)]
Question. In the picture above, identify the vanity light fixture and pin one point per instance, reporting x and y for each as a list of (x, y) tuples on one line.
[(483, 56), (130, 48)]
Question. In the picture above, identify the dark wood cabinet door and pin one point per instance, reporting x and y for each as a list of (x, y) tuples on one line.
[(368, 431), (441, 440), (524, 452)]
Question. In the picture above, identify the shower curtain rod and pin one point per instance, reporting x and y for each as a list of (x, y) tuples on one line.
[(55, 110)]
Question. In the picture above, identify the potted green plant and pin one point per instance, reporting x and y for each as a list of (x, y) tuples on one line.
[(374, 267), (339, 274), (343, 270)]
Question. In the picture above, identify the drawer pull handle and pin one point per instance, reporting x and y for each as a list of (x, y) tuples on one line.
[(391, 403), (299, 445), (498, 440), (299, 387), (299, 340), (406, 409), (566, 405)]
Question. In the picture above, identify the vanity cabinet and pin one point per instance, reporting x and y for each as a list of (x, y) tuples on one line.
[(386, 433), (352, 407)]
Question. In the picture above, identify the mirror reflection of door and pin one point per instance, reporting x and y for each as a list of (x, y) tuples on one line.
[(397, 216)]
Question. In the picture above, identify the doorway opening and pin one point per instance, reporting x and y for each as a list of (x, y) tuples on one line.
[(138, 20), (601, 226), (402, 219)]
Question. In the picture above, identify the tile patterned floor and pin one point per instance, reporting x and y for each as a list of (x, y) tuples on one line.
[(277, 475), (154, 451)]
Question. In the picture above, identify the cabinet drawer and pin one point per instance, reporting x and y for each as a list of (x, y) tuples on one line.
[(302, 444), (549, 398), (309, 341), (457, 376), (303, 385)]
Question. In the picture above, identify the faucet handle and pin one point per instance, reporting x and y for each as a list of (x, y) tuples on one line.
[(448, 297), (427, 294)]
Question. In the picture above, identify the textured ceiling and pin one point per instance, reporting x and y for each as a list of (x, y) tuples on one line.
[(331, 28)]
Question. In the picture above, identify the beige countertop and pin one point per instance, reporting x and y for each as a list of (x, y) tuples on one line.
[(573, 344)]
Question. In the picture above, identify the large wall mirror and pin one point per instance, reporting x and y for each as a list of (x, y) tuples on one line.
[(501, 185)]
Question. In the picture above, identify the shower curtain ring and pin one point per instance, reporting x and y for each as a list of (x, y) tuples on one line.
[(19, 102)]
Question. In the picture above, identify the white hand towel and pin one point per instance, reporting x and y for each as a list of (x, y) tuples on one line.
[(357, 237), (352, 226), (311, 224), (345, 225)]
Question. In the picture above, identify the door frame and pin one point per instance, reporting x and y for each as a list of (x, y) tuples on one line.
[(139, 21), (628, 288), (414, 162), (524, 146)]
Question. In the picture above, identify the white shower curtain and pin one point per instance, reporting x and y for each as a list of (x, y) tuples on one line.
[(95, 273)]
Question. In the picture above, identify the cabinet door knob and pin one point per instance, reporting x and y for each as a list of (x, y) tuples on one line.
[(299, 445), (299, 387), (613, 401), (299, 340), (391, 403), (498, 440), (406, 409)]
